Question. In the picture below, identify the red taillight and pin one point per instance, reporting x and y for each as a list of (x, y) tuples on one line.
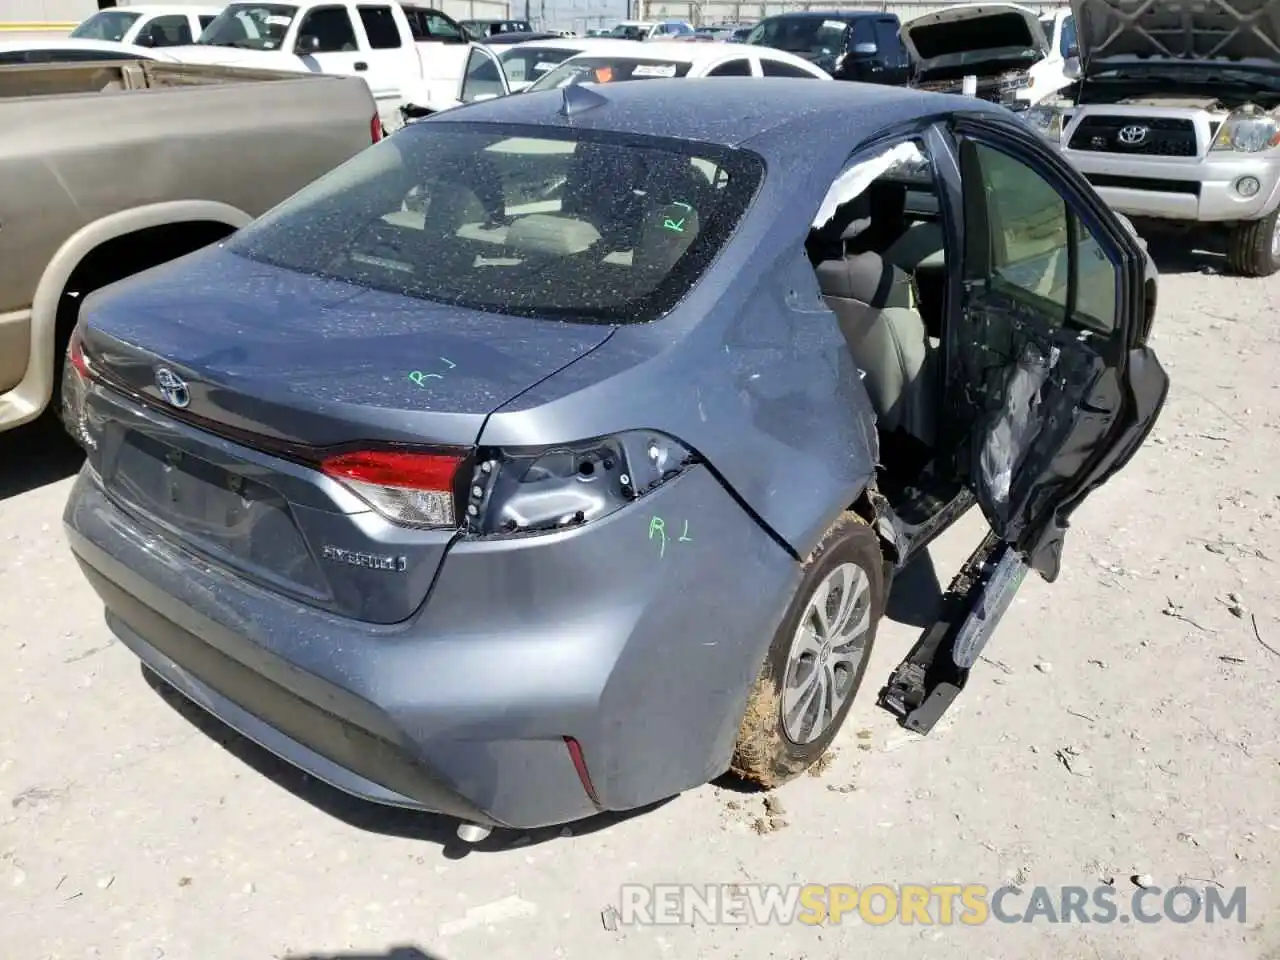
[(580, 765), (409, 488), (75, 354), (375, 128)]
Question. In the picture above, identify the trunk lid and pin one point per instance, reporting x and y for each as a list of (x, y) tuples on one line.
[(319, 362), (1228, 30), (272, 365), (975, 38)]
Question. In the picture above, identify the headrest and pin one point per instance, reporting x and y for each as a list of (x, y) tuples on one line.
[(867, 279), (548, 234)]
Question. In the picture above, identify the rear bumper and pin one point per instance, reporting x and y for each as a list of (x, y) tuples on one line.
[(645, 658), (1174, 189)]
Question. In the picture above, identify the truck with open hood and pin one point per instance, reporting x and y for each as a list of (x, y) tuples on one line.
[(1176, 118), (1002, 52)]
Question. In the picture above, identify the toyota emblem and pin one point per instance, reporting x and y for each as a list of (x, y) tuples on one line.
[(173, 388), (1132, 135)]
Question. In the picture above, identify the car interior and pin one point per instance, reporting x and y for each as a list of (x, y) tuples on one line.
[(881, 263), (520, 211)]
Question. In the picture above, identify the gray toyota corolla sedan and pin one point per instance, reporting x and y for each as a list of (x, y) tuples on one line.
[(555, 455)]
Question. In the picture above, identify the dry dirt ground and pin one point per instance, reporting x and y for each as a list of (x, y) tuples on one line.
[(1126, 723)]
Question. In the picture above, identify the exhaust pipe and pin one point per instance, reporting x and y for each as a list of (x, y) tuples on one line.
[(473, 832)]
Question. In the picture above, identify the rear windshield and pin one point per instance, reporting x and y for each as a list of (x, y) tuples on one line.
[(811, 35), (526, 64), (528, 221), (589, 70), (108, 25), (250, 26)]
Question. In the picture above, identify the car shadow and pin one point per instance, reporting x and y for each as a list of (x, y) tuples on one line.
[(915, 599), (1176, 254), (394, 953), (36, 455), (363, 814)]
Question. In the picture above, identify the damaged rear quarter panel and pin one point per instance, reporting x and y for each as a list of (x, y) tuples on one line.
[(639, 635), (751, 371)]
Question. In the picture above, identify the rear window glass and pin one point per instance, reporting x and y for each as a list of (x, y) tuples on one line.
[(526, 64), (589, 70), (811, 35), (563, 225)]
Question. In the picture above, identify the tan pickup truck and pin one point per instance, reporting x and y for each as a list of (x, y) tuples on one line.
[(107, 169)]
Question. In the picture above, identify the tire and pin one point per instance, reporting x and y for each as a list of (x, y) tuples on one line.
[(770, 750), (1253, 248)]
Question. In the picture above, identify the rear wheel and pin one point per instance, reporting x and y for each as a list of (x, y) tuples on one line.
[(1253, 248), (817, 660)]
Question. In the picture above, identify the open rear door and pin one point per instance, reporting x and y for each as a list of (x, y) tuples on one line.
[(1048, 376), (1048, 357)]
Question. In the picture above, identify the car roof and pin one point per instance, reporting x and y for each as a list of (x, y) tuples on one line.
[(827, 15), (681, 51), (153, 9), (796, 110), (584, 44), (70, 43)]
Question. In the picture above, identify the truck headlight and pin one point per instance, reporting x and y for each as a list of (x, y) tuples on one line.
[(1247, 130), (1045, 120)]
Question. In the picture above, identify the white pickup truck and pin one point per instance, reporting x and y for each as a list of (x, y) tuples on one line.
[(394, 46), (1175, 119)]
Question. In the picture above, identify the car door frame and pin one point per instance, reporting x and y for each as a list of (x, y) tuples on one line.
[(386, 68), (339, 62), (497, 65), (705, 70), (1141, 382)]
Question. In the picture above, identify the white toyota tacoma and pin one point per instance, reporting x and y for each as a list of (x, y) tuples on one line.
[(1175, 117)]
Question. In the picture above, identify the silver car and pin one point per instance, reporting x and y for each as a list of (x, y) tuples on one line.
[(556, 454)]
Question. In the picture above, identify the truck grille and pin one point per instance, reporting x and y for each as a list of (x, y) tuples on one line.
[(1189, 187), (1154, 137)]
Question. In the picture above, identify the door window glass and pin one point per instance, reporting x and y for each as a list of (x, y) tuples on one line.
[(890, 47), (1068, 36), (1029, 235), (733, 68), (863, 31), (440, 27), (1096, 283), (1036, 242), (380, 27), (327, 30), (773, 68), (482, 79)]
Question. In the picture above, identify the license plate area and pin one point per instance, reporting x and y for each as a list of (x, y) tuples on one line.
[(231, 518)]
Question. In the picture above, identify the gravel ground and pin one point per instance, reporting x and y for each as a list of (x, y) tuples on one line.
[(1126, 723)]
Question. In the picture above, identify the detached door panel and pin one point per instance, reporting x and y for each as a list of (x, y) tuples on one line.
[(1041, 356)]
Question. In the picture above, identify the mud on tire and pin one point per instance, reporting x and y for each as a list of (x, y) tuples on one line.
[(764, 754)]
